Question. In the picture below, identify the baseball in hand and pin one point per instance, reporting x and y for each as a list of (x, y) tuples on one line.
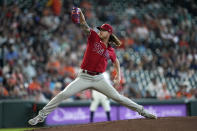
[(76, 15)]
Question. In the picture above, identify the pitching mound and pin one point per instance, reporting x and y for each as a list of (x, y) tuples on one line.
[(161, 124)]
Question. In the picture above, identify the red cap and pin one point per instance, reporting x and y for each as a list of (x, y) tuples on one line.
[(106, 27)]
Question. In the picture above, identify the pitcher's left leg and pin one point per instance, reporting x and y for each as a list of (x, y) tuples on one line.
[(107, 89)]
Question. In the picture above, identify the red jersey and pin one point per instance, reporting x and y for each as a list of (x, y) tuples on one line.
[(97, 54)]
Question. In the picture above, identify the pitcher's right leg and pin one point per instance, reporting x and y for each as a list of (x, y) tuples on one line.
[(77, 85)]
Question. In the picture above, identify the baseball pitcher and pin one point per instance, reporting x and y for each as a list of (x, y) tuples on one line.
[(94, 64)]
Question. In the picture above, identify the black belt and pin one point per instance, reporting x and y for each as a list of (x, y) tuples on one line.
[(90, 72)]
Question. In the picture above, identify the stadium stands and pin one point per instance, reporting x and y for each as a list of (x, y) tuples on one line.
[(159, 42)]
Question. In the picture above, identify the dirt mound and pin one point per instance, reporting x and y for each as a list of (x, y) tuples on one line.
[(161, 124)]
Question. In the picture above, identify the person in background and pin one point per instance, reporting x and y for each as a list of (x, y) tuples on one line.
[(163, 93), (132, 89), (153, 87), (57, 89), (98, 98), (182, 92), (34, 85), (3, 91)]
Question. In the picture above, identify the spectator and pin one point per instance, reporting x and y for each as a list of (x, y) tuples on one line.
[(29, 70), (39, 97), (163, 93), (3, 91), (46, 88), (57, 89), (34, 85), (193, 92), (11, 86), (153, 87), (182, 92), (132, 89), (35, 42)]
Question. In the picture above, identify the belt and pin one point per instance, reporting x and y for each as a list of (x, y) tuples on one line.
[(90, 72)]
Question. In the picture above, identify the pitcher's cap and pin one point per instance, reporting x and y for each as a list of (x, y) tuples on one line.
[(106, 27)]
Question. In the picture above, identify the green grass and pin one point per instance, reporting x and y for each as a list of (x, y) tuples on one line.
[(15, 129)]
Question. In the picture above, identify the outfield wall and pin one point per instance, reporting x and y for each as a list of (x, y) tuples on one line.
[(16, 113)]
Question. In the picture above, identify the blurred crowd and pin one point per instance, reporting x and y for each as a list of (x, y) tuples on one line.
[(41, 50)]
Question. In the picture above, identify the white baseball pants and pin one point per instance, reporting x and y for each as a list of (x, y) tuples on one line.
[(97, 99), (85, 81)]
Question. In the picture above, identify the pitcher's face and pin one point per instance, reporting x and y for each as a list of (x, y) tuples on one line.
[(103, 34)]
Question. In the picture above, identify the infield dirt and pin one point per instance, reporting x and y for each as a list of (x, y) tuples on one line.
[(161, 124)]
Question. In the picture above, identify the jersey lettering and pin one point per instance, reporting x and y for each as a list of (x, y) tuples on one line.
[(106, 54), (98, 48)]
